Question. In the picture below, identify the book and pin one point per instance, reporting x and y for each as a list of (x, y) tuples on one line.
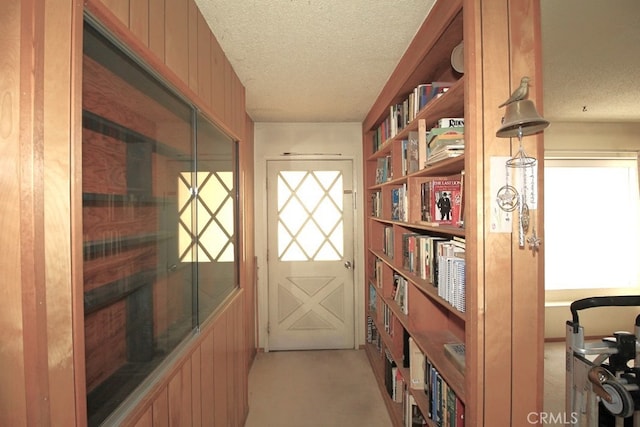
[(423, 93), (426, 214), (459, 413), (448, 122), (383, 169), (460, 218), (422, 143), (451, 408), (413, 148), (447, 153), (433, 132), (446, 200), (414, 417), (455, 352), (438, 89), (445, 140), (395, 204), (372, 298), (416, 366)]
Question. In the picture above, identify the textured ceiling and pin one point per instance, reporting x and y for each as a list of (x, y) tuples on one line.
[(327, 60), (591, 54)]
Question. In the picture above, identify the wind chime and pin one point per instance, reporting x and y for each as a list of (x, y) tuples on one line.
[(520, 119)]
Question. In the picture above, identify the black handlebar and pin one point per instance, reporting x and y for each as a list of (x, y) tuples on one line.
[(618, 301)]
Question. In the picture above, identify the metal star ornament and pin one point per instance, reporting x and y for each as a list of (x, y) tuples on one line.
[(534, 241), (520, 93)]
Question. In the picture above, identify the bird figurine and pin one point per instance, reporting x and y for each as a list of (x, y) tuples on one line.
[(520, 93)]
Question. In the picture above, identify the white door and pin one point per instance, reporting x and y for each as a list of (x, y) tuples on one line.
[(310, 254)]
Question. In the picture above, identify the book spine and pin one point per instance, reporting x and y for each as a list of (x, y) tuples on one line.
[(447, 122)]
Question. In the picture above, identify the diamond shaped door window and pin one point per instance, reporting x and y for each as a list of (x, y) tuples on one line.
[(310, 212)]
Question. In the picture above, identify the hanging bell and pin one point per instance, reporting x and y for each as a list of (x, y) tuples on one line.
[(521, 115)]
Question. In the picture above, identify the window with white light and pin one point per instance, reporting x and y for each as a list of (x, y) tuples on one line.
[(592, 223)]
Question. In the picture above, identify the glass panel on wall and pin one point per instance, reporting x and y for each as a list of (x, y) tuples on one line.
[(148, 233), (215, 213)]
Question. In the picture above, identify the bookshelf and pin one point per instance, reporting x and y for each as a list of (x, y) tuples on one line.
[(492, 296)]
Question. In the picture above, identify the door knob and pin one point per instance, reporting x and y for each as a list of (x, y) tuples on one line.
[(348, 265)]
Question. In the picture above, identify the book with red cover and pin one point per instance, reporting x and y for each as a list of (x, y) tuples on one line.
[(446, 200)]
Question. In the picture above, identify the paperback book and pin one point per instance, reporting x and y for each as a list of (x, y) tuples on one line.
[(446, 200)]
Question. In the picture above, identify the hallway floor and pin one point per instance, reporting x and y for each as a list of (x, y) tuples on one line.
[(314, 389), (337, 388)]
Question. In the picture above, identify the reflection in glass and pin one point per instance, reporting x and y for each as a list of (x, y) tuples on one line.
[(158, 257), (215, 217)]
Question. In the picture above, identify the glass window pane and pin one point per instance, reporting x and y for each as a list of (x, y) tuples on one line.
[(216, 215), (580, 196), (310, 215), (137, 156)]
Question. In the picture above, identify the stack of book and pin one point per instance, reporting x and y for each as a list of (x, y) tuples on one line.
[(445, 140), (402, 113)]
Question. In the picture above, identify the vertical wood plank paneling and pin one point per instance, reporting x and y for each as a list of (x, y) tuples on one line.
[(207, 380), (156, 28), (179, 394), (240, 107), (218, 87), (528, 274), (220, 369), (177, 38), (139, 20), (497, 261), (77, 246), (232, 362), (192, 28), (474, 331), (13, 405), (57, 207), (196, 387), (31, 202), (241, 377), (232, 115), (228, 94), (120, 8), (161, 409), (204, 60), (146, 420)]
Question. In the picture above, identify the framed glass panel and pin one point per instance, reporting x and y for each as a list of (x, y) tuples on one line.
[(215, 216), (159, 222)]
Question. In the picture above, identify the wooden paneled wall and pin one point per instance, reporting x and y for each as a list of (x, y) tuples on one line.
[(38, 375), (502, 44), (208, 386), (173, 36), (42, 380)]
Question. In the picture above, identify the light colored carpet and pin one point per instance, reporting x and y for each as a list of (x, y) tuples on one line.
[(314, 389), (336, 388), (554, 380)]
